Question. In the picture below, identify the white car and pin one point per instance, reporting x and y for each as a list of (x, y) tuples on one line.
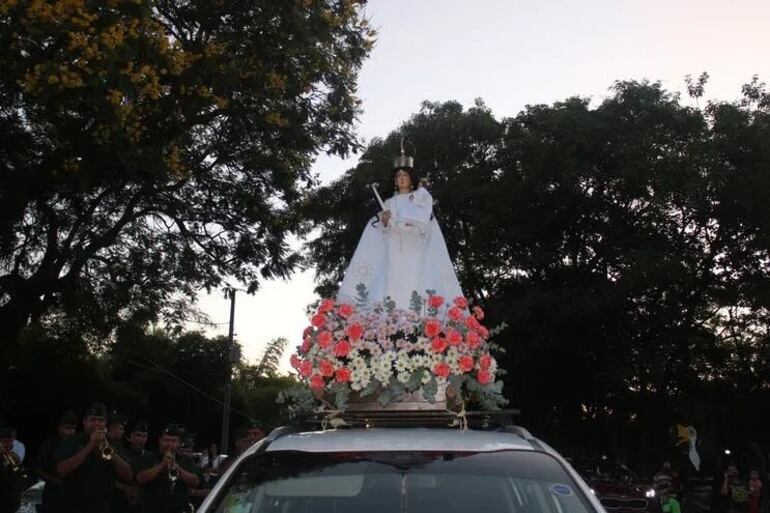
[(401, 470)]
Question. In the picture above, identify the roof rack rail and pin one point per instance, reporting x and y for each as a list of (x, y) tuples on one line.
[(274, 435), (495, 419)]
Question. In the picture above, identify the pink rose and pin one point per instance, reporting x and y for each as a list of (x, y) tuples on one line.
[(438, 345), (295, 361), (306, 345), (305, 368), (455, 313), (345, 310), (436, 301), (341, 348), (472, 323), (483, 332), (342, 375), (318, 320), (466, 363), (461, 302), (478, 313), (317, 382), (485, 362), (326, 306), (483, 377), (308, 331), (325, 339), (326, 368), (441, 370), (432, 328), (454, 337), (472, 339), (354, 331)]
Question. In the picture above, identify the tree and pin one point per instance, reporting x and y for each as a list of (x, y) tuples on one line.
[(271, 358), (155, 148), (625, 245)]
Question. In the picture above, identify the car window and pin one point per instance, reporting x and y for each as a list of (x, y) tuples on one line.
[(506, 481)]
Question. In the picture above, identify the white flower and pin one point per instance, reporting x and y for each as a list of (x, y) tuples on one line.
[(403, 377)]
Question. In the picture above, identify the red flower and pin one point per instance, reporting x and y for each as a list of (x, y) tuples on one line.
[(472, 323), (441, 370), (342, 375), (342, 348), (472, 339), (454, 337), (305, 368), (354, 331), (318, 320), (308, 331), (326, 368), (326, 306), (345, 310), (466, 363), (432, 328), (461, 302), (455, 313), (483, 377), (438, 345), (485, 362), (436, 301), (317, 382), (306, 345), (483, 332), (295, 361), (478, 313), (325, 339)]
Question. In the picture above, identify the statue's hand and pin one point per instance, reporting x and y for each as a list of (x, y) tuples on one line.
[(385, 218)]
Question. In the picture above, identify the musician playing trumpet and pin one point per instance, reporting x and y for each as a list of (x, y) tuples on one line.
[(89, 466), (165, 478), (11, 473)]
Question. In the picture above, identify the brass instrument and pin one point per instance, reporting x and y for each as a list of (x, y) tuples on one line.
[(173, 471), (105, 449), (11, 462)]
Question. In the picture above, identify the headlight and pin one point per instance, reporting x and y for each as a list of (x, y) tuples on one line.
[(650, 494)]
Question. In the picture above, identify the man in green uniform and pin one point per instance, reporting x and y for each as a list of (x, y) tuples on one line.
[(165, 478), (51, 500), (87, 470), (137, 440), (11, 473), (122, 493)]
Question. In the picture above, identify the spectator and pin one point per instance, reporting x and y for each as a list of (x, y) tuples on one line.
[(51, 500), (735, 493)]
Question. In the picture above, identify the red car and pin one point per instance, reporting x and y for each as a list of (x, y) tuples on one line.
[(617, 487)]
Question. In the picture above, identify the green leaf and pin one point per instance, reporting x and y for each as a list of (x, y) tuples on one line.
[(430, 389), (385, 397), (369, 389), (415, 380)]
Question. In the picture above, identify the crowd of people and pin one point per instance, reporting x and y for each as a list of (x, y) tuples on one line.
[(106, 467), (733, 493)]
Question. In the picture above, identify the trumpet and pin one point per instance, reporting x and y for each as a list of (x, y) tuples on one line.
[(173, 471), (12, 463), (105, 449)]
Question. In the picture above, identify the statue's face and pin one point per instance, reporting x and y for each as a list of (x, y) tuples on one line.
[(403, 181)]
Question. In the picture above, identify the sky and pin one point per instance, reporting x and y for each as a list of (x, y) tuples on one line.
[(512, 53)]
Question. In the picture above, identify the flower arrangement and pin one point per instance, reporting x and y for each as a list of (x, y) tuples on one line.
[(385, 352)]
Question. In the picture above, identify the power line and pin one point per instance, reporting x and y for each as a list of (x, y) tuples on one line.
[(157, 367)]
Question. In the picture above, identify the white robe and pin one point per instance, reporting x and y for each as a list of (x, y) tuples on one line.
[(407, 256)]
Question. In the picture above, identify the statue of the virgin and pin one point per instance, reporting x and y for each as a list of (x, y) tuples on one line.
[(402, 250)]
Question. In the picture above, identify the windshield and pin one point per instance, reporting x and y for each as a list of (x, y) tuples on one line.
[(507, 481)]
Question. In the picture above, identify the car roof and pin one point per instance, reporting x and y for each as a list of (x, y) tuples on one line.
[(400, 439)]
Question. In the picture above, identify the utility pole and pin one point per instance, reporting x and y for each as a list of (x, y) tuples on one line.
[(224, 448)]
